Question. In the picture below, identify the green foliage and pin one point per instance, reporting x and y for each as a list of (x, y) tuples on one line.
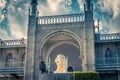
[(86, 75)]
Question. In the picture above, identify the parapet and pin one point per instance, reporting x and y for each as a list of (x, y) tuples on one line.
[(58, 19), (13, 43)]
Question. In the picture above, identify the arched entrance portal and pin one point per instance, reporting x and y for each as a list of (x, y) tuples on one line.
[(66, 44), (71, 54)]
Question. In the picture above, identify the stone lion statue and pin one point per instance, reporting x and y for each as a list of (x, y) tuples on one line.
[(61, 63)]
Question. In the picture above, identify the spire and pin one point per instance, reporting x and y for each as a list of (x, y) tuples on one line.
[(88, 5), (34, 7)]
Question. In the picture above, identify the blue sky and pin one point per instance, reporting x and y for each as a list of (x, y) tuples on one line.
[(14, 14)]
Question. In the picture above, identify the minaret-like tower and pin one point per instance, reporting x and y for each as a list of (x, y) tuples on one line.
[(89, 36), (29, 62)]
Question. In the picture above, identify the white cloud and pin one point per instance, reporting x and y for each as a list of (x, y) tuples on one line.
[(16, 29), (110, 10), (17, 11), (18, 17), (54, 7), (1, 17), (81, 4), (2, 3), (110, 5), (4, 35)]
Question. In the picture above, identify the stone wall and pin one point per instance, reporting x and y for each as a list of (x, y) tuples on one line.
[(10, 78), (17, 53), (102, 49)]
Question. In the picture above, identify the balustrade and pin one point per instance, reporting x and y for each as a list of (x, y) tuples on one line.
[(60, 19), (114, 36), (7, 43)]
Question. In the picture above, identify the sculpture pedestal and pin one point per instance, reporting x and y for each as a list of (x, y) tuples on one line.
[(56, 76)]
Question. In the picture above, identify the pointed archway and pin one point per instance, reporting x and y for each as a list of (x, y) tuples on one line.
[(65, 43)]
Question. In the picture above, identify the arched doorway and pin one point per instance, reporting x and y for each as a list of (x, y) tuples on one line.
[(70, 52), (65, 43)]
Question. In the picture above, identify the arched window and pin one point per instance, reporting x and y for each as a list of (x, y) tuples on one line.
[(108, 56), (23, 60), (118, 56), (9, 60)]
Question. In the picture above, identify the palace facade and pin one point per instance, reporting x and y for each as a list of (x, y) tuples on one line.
[(72, 35)]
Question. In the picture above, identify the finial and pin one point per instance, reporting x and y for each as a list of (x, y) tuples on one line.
[(98, 26), (29, 11), (98, 22)]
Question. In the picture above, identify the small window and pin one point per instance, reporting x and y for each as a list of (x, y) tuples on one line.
[(9, 60), (23, 60), (108, 56)]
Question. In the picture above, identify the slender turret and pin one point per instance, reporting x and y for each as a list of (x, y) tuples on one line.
[(89, 36), (30, 60)]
